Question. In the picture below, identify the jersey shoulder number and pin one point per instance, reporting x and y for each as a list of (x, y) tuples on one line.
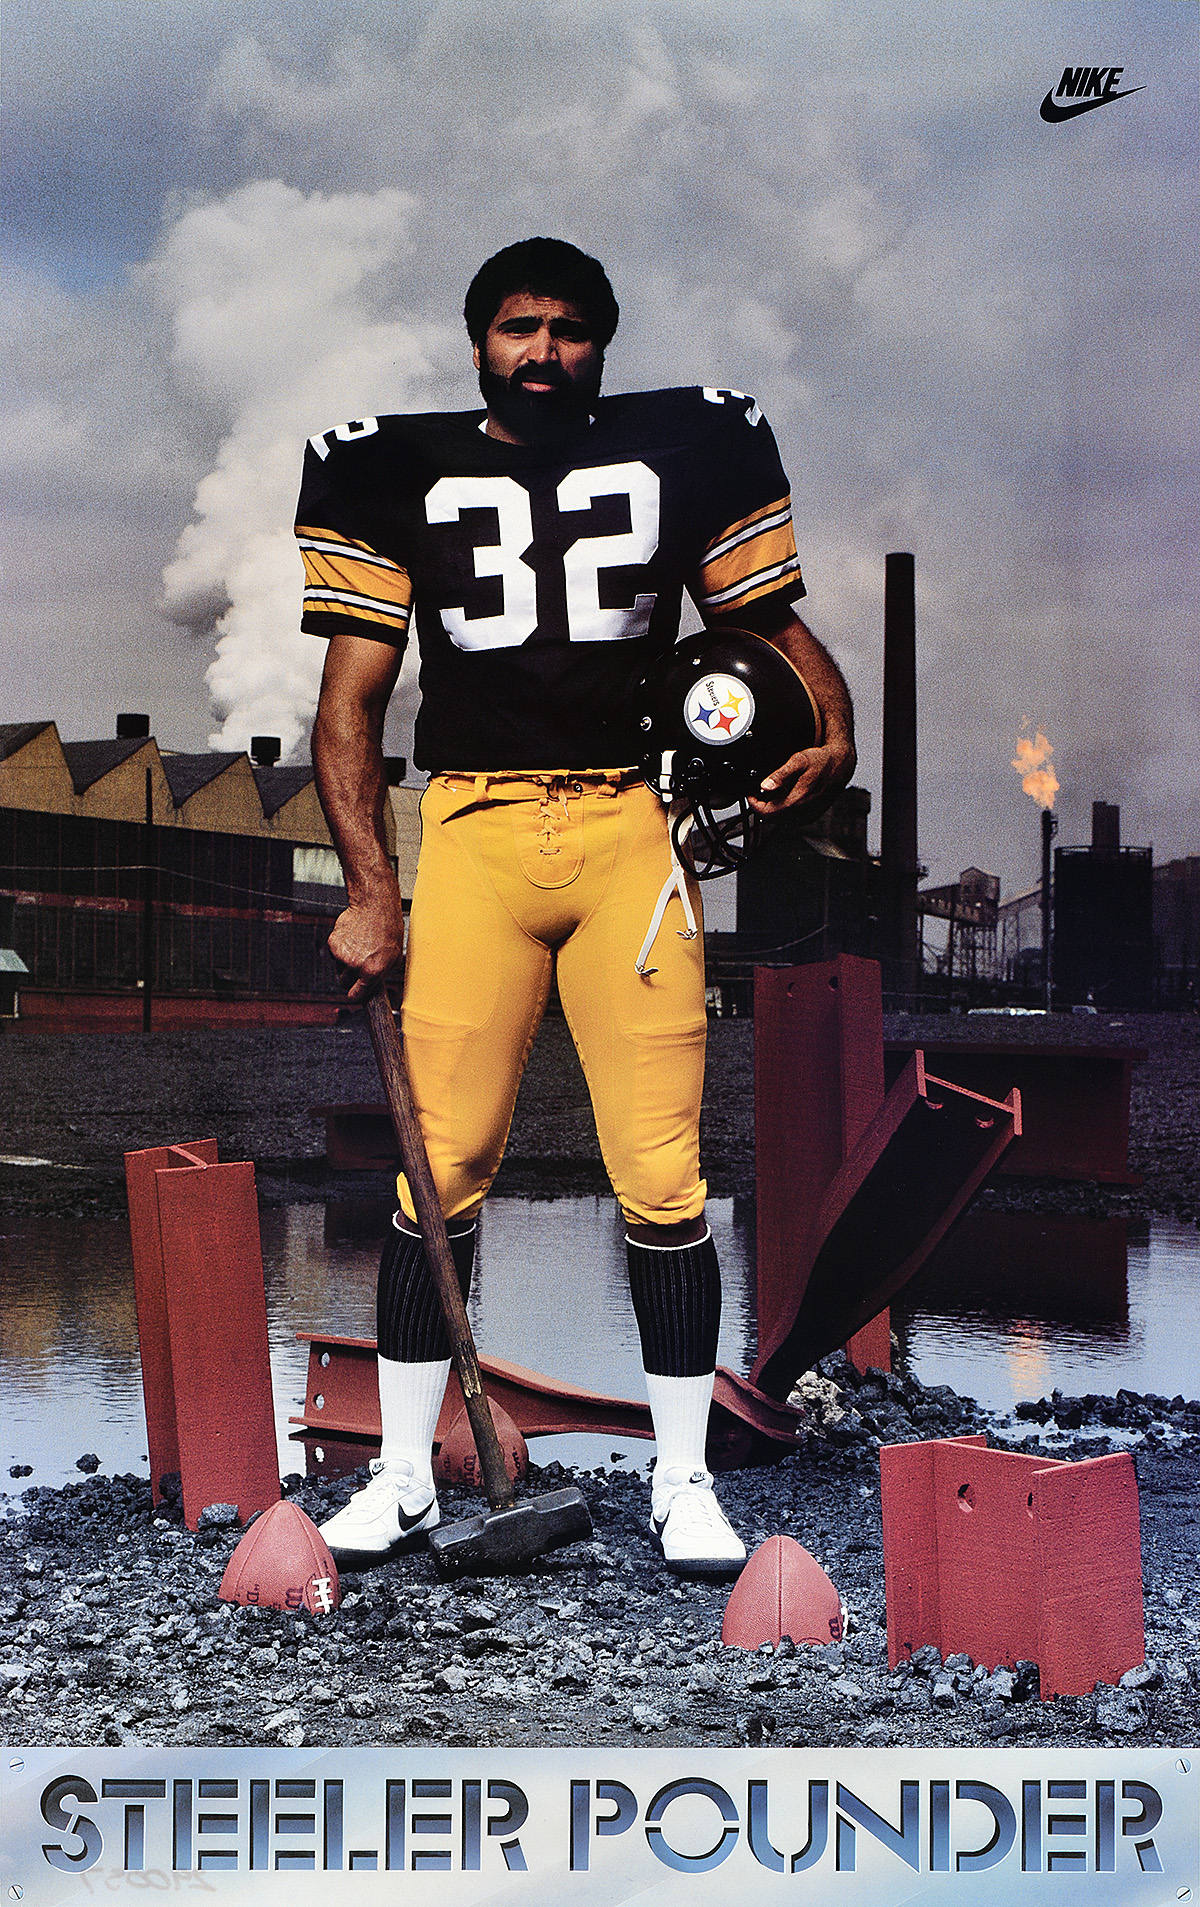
[(349, 433), (747, 404)]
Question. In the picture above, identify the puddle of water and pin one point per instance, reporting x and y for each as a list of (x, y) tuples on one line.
[(1017, 1304), (1008, 1311), (550, 1292)]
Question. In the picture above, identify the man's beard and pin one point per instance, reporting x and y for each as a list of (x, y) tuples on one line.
[(540, 418)]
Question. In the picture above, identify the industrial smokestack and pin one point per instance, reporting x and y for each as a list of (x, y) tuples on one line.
[(1038, 779), (898, 826), (1106, 827), (132, 727), (1049, 829), (265, 750)]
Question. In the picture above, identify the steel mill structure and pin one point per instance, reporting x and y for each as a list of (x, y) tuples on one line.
[(141, 886), (144, 886)]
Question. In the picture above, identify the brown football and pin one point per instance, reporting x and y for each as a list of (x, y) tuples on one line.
[(457, 1460), (782, 1591), (282, 1562)]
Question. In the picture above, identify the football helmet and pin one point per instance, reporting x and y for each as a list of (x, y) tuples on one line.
[(717, 713)]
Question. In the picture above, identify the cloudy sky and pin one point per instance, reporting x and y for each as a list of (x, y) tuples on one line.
[(230, 223)]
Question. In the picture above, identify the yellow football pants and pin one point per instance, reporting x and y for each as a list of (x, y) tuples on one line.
[(520, 876)]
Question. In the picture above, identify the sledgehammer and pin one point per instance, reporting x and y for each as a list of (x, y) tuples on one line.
[(513, 1534)]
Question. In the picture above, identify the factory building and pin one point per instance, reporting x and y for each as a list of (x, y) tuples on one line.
[(1104, 919), (205, 881), (1019, 938), (1177, 931), (807, 892), (811, 890)]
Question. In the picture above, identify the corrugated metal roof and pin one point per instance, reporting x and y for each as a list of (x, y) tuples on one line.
[(187, 774), (14, 735), (90, 761)]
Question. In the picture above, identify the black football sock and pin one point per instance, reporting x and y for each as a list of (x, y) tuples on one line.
[(409, 1326), (676, 1292)]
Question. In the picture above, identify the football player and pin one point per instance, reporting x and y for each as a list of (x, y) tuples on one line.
[(542, 544)]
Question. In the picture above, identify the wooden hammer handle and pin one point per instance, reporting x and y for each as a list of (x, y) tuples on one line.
[(390, 1058)]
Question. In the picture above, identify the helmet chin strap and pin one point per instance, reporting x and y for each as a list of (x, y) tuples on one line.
[(680, 822), (691, 825)]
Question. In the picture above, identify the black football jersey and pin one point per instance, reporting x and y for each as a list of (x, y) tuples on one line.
[(543, 581)]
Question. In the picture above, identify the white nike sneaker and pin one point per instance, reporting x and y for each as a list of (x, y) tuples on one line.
[(390, 1510), (696, 1536)]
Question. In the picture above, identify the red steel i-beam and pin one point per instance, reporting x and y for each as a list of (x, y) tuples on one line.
[(150, 1297), (341, 1426), (202, 1323), (818, 1083), (1074, 1099), (915, 1168), (1011, 1557)]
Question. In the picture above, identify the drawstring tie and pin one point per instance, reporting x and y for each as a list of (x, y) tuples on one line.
[(679, 825), (552, 786), (552, 791)]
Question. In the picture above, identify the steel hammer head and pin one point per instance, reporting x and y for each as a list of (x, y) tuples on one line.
[(511, 1539)]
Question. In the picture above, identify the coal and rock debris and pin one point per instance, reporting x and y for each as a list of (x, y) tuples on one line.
[(111, 1630)]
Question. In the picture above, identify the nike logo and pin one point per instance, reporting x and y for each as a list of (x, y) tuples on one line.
[(407, 1522), (1052, 113)]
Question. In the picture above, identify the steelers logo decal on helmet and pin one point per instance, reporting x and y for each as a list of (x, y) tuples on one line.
[(718, 709)]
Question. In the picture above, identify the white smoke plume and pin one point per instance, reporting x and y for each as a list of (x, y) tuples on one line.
[(275, 298), (972, 333)]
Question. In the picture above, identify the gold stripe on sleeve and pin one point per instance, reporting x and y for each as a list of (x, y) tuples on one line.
[(750, 558), (353, 579)]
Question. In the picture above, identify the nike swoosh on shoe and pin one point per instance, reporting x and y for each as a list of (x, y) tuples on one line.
[(410, 1523), (411, 1527)]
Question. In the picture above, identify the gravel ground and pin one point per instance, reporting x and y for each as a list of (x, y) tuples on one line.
[(111, 1630), (110, 1625), (80, 1101)]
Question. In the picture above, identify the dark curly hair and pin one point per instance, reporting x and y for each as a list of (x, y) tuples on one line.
[(547, 268)]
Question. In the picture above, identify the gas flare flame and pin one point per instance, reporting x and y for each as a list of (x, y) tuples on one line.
[(1032, 761)]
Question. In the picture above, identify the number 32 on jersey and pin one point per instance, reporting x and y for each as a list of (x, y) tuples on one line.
[(582, 561)]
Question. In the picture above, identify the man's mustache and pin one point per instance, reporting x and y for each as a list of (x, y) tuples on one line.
[(552, 374)]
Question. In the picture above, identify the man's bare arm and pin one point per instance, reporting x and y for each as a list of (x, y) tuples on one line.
[(812, 777), (347, 750)]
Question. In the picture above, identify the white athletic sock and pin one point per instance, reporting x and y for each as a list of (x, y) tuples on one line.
[(410, 1397), (679, 1409)]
